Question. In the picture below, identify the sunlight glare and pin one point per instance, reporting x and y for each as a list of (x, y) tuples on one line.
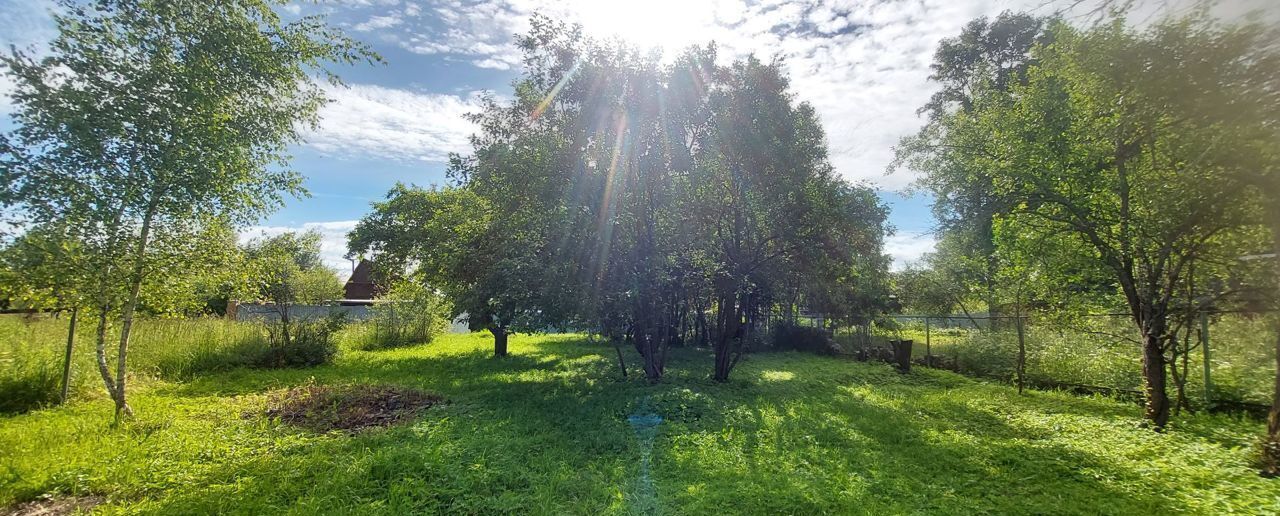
[(666, 24)]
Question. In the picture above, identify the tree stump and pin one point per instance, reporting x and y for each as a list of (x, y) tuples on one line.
[(902, 355)]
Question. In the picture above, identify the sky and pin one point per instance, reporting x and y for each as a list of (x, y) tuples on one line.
[(864, 65)]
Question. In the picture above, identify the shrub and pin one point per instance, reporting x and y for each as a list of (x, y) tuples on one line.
[(791, 337), (413, 314), (311, 342)]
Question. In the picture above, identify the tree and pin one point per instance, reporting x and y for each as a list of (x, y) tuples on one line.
[(773, 206), (926, 290), (990, 57), (636, 198), (1129, 142), (447, 239), (286, 270), (1271, 444), (662, 193), (150, 124)]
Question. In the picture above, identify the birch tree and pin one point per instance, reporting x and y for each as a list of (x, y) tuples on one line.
[(150, 122)]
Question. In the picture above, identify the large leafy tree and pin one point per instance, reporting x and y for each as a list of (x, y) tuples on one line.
[(150, 122), (449, 239), (1132, 143), (638, 198), (770, 204), (674, 190), (989, 57)]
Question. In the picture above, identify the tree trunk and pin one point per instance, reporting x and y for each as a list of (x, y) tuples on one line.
[(100, 351), (700, 328), (127, 310), (728, 322), (652, 358), (1271, 447), (499, 340), (66, 360), (1154, 375), (1179, 378), (286, 340)]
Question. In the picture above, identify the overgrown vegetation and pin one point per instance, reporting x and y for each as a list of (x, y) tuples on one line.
[(791, 433), (672, 205), (170, 349), (409, 314)]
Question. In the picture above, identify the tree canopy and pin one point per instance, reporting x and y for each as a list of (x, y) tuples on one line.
[(1121, 151), (639, 199)]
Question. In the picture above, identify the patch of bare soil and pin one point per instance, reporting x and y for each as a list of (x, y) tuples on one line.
[(55, 506), (351, 408)]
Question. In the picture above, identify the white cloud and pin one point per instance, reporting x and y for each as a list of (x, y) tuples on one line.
[(333, 240), (908, 247), (379, 22), (863, 64), (369, 120)]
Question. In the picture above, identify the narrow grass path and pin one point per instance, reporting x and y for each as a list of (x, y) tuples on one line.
[(547, 431)]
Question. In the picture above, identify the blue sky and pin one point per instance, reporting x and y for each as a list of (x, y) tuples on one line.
[(862, 64)]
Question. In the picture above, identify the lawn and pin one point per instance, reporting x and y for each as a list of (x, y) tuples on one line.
[(547, 431)]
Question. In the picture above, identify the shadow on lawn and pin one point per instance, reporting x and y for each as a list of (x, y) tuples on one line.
[(544, 431), (523, 434)]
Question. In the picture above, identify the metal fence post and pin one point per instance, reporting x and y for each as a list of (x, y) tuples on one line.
[(928, 346), (1204, 347)]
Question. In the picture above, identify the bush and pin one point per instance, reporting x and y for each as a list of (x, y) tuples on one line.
[(791, 337), (311, 342), (413, 314)]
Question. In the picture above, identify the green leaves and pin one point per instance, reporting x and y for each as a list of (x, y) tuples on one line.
[(153, 126)]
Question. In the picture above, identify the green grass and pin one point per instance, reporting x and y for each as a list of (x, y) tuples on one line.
[(545, 431)]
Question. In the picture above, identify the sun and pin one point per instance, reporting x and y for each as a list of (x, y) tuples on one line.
[(665, 24)]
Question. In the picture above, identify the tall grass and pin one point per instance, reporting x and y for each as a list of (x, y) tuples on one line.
[(31, 354), (1103, 353)]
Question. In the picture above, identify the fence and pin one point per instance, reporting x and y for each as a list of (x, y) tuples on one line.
[(269, 312), (1225, 361)]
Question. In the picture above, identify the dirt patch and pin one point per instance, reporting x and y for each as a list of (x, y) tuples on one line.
[(55, 506), (351, 408)]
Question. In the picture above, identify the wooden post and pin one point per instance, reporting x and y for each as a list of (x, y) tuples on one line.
[(66, 360), (1022, 354), (1204, 347)]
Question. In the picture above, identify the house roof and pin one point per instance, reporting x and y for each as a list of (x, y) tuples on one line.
[(360, 285)]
